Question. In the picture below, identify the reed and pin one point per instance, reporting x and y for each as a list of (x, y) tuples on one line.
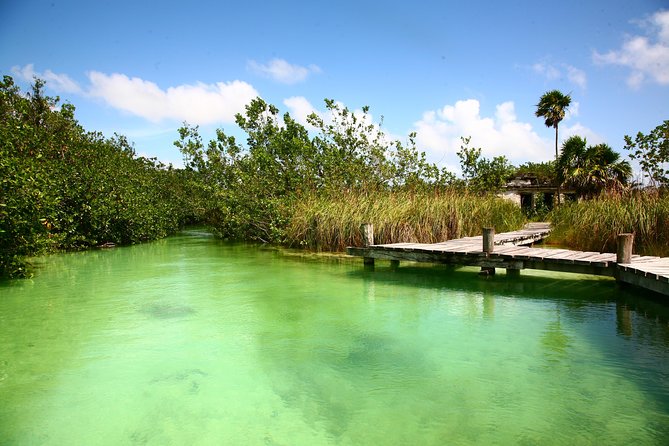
[(330, 223), (593, 225)]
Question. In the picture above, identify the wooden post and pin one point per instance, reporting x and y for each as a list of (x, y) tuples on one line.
[(367, 230), (488, 247), (488, 240), (624, 252)]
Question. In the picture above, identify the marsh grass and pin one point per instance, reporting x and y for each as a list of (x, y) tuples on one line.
[(330, 223), (594, 225)]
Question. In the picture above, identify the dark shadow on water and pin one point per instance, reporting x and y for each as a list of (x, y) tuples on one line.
[(468, 279), (570, 290), (639, 316), (166, 310), (599, 307)]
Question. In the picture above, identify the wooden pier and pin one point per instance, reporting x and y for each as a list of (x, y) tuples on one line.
[(508, 250)]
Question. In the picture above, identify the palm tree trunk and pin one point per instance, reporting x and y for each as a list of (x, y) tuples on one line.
[(556, 163)]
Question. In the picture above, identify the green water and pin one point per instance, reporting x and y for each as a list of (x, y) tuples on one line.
[(191, 341)]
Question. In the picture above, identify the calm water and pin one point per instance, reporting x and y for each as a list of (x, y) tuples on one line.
[(194, 341)]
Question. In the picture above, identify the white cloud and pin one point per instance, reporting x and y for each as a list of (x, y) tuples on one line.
[(647, 56), (60, 83), (552, 73), (439, 132), (282, 71), (299, 108), (576, 76), (578, 129), (198, 104), (549, 71)]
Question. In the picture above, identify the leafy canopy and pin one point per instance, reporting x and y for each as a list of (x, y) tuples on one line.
[(481, 174), (591, 169), (62, 187), (253, 184), (652, 152)]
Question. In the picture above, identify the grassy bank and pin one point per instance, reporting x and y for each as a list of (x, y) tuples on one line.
[(330, 223), (593, 225)]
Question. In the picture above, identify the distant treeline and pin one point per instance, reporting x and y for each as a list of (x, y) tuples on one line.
[(298, 185), (301, 187)]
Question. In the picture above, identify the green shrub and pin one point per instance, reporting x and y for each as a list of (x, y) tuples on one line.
[(333, 222), (64, 188), (593, 225)]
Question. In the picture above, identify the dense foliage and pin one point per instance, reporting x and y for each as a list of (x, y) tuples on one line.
[(652, 152), (254, 186), (286, 176), (594, 225), (301, 184), (65, 188), (591, 169), (332, 222), (483, 175)]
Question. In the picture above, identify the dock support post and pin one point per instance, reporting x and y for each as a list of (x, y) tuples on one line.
[(488, 240), (512, 272), (488, 247), (624, 251), (367, 230)]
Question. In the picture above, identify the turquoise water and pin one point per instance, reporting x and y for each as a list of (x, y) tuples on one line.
[(194, 341)]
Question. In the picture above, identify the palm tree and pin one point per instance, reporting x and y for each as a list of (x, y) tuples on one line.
[(605, 170), (552, 107), (572, 162), (593, 169)]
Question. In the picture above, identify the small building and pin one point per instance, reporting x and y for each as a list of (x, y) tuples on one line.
[(531, 192)]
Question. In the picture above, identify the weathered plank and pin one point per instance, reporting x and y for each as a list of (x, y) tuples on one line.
[(511, 251)]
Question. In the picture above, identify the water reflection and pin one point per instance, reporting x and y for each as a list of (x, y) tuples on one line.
[(488, 305), (555, 340), (579, 297), (623, 319), (458, 344)]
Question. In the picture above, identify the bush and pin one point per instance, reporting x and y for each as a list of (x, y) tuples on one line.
[(594, 225), (332, 222), (65, 188)]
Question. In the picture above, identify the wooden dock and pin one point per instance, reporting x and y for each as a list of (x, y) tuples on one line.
[(508, 251)]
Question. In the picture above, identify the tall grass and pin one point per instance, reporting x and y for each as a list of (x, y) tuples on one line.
[(594, 225), (331, 223)]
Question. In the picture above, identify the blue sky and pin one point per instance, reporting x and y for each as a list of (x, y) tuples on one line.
[(442, 69)]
